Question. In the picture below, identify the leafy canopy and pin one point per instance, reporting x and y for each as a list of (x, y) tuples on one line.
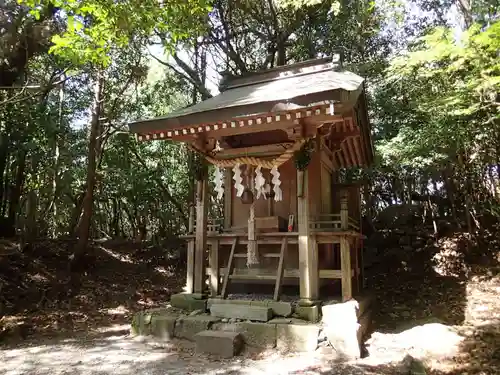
[(451, 90), (94, 27)]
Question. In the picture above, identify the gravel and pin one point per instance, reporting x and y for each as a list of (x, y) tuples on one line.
[(120, 354)]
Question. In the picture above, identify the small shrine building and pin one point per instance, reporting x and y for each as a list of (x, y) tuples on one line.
[(277, 139)]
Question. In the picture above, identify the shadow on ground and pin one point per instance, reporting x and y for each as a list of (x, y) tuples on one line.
[(116, 279)]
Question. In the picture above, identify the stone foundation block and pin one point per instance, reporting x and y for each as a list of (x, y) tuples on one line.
[(342, 329), (189, 302), (188, 327), (257, 335), (162, 326), (281, 308), (309, 313), (297, 337), (142, 322), (340, 313), (221, 343), (220, 301), (245, 312), (344, 339)]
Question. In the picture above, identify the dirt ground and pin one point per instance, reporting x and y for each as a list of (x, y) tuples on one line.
[(451, 323)]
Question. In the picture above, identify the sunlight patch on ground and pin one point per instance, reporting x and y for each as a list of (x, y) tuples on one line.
[(116, 255), (119, 310), (113, 328), (164, 272), (432, 343)]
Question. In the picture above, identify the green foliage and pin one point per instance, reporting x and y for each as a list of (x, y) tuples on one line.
[(94, 28), (449, 89)]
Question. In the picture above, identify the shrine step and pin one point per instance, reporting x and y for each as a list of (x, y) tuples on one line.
[(239, 311), (265, 255), (252, 277), (221, 343)]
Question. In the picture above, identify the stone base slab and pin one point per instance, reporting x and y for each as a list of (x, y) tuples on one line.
[(244, 312), (188, 301), (221, 343)]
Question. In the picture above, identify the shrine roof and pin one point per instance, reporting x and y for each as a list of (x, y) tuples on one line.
[(292, 86)]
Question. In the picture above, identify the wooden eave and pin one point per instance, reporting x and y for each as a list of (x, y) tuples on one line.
[(249, 124)]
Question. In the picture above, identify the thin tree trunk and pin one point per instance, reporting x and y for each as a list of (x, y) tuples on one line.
[(56, 153), (15, 195), (4, 156), (88, 200)]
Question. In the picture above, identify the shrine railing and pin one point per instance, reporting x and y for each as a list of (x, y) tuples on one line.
[(320, 223), (333, 223)]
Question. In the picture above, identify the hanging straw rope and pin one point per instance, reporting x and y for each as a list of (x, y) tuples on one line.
[(253, 161)]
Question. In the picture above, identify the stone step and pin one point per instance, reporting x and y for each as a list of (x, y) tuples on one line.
[(244, 312), (264, 255), (221, 343)]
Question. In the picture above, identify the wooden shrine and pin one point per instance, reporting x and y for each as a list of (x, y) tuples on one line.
[(276, 139)]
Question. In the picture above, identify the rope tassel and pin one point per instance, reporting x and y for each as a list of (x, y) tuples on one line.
[(238, 181), (219, 183), (278, 193), (259, 182)]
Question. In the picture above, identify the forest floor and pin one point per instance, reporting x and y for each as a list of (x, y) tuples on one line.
[(451, 323)]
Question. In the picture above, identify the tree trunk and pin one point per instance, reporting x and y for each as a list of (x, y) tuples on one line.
[(15, 195), (56, 156), (4, 156), (88, 200)]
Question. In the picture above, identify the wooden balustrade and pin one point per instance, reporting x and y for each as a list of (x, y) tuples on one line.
[(332, 223)]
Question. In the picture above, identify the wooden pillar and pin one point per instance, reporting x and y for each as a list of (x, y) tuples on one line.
[(190, 253), (308, 248), (213, 260), (345, 266), (344, 211), (201, 234), (228, 198)]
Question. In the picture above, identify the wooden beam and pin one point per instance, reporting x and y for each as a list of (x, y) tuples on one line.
[(229, 269), (359, 154), (213, 262), (308, 249), (266, 274), (190, 253), (279, 276), (352, 151), (347, 155), (201, 234), (345, 263), (263, 150)]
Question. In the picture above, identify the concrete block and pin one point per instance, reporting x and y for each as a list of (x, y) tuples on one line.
[(342, 329), (142, 321), (297, 337), (220, 301), (259, 335), (280, 321), (141, 324), (344, 338), (162, 326), (188, 327), (281, 308), (189, 302), (309, 313), (340, 313), (245, 312), (221, 343)]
